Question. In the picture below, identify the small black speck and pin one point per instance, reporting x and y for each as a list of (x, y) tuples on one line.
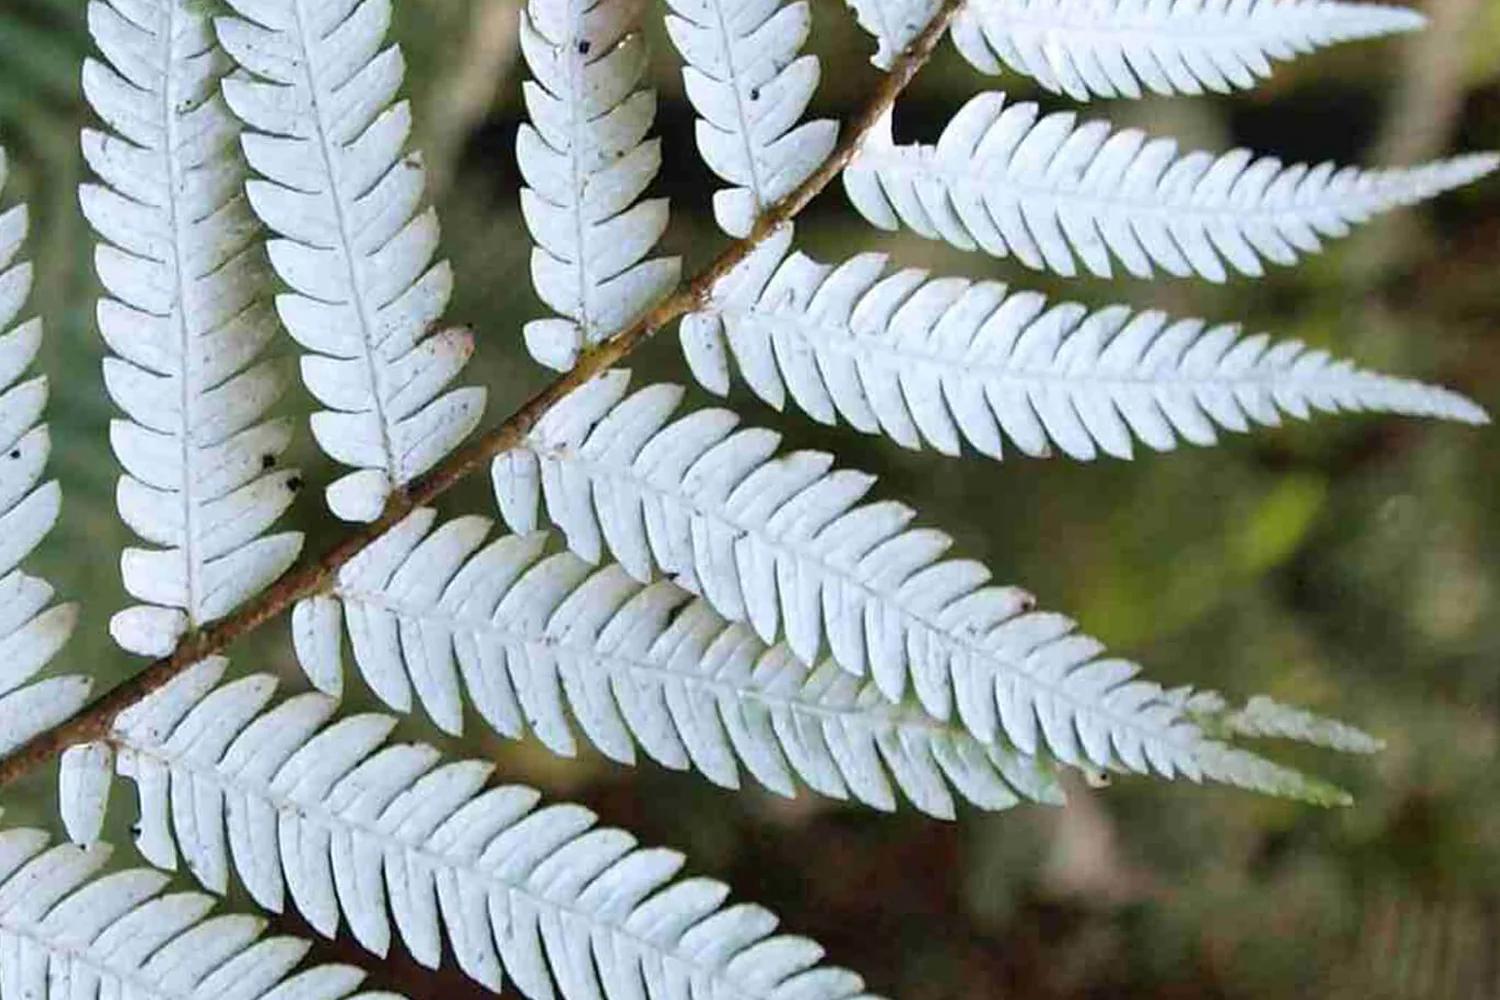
[(16, 453), (267, 461), (755, 93), (294, 484), (584, 46)]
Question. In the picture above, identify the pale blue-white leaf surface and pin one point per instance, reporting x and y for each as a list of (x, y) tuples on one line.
[(946, 361), (1055, 194), (789, 545), (328, 139), (396, 842), (750, 85), (68, 931), (536, 640), (31, 631), (187, 320)]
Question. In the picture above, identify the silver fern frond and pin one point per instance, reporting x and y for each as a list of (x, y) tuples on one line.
[(750, 86), (329, 143), (786, 544), (1052, 193), (374, 834), (187, 318), (535, 640), (1263, 717), (31, 633), (66, 931), (586, 159), (1120, 48), (943, 361)]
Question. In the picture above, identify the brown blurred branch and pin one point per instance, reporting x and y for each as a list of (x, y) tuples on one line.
[(464, 93)]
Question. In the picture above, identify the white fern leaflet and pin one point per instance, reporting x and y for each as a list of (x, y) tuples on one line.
[(66, 932), (944, 360), (1114, 48), (189, 313), (1266, 718), (586, 160), (535, 640), (355, 248), (378, 834), (1117, 48), (745, 78), (784, 544), (30, 632), (1053, 193)]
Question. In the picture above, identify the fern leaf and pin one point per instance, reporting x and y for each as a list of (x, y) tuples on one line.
[(586, 160), (1265, 718), (750, 87), (187, 317), (894, 23), (1085, 48), (1115, 48), (30, 632), (1054, 193), (536, 639), (944, 360), (784, 544), (355, 831), (356, 250), (67, 931)]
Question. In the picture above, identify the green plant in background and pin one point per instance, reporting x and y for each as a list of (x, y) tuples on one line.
[(761, 613)]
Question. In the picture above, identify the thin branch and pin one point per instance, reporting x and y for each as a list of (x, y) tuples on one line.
[(97, 718)]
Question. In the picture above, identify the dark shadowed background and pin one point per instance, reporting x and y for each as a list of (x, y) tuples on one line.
[(1352, 565)]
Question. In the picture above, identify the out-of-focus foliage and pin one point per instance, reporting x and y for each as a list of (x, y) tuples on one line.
[(1349, 565)]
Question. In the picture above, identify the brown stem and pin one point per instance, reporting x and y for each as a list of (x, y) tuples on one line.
[(97, 718)]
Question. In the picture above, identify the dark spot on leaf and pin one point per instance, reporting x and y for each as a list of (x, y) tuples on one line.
[(15, 453), (755, 93), (583, 47), (294, 484), (267, 461)]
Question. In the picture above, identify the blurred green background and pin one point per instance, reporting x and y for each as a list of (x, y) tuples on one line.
[(1351, 565)]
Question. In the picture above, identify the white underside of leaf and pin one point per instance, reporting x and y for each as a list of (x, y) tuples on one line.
[(750, 87), (586, 161), (1053, 194), (1120, 48), (329, 142), (894, 23), (785, 544), (942, 361), (534, 641), (1117, 48), (31, 633), (67, 931), (374, 835), (1263, 717), (188, 315)]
